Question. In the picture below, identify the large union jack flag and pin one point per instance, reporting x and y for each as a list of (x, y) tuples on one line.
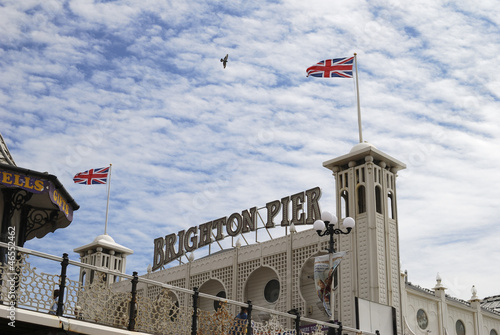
[(92, 176), (330, 68)]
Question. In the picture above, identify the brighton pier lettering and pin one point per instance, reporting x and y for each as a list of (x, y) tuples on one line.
[(304, 210)]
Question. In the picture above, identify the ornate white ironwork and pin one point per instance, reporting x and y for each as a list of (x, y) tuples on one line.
[(162, 314), (158, 310), (218, 322), (32, 290), (101, 305), (271, 327)]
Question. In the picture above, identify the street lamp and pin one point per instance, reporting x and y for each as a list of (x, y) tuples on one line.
[(326, 226)]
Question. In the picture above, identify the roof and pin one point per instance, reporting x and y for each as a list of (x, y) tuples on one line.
[(491, 302), (43, 175), (359, 152), (47, 194), (106, 242)]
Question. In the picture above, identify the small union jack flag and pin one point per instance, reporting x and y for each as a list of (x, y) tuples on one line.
[(337, 67), (92, 176)]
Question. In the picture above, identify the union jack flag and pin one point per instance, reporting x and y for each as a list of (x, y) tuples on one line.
[(92, 176), (337, 67)]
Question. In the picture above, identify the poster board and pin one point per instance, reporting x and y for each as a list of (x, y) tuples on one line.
[(372, 316)]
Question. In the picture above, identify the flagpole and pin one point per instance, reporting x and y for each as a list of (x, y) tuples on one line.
[(357, 96), (107, 203)]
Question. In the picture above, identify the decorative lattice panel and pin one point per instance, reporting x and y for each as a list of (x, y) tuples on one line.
[(225, 275), (279, 263), (244, 271), (381, 260), (395, 271), (199, 279), (363, 257), (178, 282), (300, 256)]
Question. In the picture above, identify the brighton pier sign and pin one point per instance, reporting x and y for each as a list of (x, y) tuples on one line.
[(300, 209)]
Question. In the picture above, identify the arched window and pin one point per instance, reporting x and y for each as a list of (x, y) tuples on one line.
[(361, 199), (390, 205), (460, 327), (221, 294), (378, 199), (344, 204)]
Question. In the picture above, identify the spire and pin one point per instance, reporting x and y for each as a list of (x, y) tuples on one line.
[(439, 286), (5, 157), (474, 294)]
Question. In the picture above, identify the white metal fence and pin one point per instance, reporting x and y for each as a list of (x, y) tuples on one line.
[(161, 309)]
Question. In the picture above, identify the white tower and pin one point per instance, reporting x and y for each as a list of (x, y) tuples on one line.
[(366, 190), (103, 252)]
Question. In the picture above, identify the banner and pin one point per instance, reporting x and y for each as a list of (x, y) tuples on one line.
[(30, 184), (58, 199), (37, 185), (323, 277)]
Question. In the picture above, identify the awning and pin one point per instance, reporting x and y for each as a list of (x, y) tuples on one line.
[(35, 202)]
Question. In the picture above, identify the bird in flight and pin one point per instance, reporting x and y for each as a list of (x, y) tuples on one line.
[(224, 61)]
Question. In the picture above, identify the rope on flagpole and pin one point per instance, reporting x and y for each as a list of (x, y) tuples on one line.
[(107, 203), (357, 98)]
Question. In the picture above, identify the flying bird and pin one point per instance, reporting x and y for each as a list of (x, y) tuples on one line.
[(224, 61)]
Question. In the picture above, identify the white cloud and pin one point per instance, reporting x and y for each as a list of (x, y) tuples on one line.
[(140, 85)]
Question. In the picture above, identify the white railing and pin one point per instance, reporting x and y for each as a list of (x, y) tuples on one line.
[(158, 309)]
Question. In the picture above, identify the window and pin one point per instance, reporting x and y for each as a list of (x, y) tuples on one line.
[(390, 205), (221, 294), (378, 199), (361, 199), (422, 319), (493, 332), (272, 291), (460, 327), (344, 204)]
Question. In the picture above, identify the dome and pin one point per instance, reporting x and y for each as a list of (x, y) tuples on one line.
[(104, 237), (104, 241), (361, 146)]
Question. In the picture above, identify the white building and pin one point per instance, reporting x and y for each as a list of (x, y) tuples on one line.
[(372, 292)]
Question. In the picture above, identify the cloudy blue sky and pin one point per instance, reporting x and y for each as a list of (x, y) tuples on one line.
[(139, 84)]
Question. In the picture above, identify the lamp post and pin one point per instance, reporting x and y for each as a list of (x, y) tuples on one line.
[(326, 226)]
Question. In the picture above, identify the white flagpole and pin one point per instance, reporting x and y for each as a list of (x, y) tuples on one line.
[(357, 96), (107, 204)]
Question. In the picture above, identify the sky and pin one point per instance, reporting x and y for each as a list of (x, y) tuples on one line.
[(140, 85)]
